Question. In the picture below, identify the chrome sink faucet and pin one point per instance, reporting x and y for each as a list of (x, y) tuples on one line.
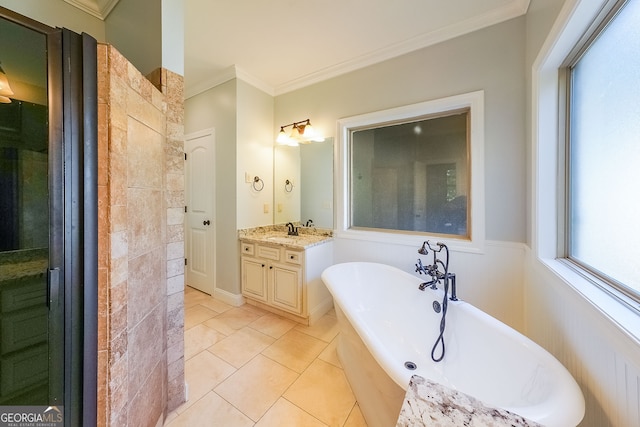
[(293, 230)]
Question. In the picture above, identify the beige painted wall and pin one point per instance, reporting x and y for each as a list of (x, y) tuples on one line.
[(216, 108), (158, 43), (243, 118), (255, 156), (123, 25)]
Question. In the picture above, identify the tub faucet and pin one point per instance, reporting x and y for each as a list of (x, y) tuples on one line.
[(293, 230), (436, 276), (433, 270)]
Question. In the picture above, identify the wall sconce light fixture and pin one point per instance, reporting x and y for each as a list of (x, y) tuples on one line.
[(301, 132), (5, 89)]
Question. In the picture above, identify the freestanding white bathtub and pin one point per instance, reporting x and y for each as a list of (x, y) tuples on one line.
[(385, 321)]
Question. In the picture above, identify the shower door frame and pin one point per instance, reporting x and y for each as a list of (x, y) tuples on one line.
[(72, 294), (79, 182)]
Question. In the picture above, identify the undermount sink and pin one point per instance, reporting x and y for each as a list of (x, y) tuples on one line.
[(281, 239)]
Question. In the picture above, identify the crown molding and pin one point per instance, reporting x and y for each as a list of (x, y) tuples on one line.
[(511, 10), (254, 81), (98, 8), (229, 73)]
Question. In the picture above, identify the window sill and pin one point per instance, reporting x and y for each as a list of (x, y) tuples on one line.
[(411, 239), (619, 309)]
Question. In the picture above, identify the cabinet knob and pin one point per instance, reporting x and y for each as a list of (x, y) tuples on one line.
[(263, 265), (270, 267), (207, 222)]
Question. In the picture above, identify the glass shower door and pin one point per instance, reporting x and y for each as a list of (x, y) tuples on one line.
[(26, 343)]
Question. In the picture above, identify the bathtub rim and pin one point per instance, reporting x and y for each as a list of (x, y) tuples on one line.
[(386, 361)]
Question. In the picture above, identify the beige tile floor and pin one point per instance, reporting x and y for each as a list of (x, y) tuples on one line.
[(247, 367)]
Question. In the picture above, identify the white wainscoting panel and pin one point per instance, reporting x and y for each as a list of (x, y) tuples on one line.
[(601, 357)]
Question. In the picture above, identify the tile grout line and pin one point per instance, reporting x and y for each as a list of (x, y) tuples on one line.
[(298, 375), (246, 363), (234, 406), (293, 382), (303, 410)]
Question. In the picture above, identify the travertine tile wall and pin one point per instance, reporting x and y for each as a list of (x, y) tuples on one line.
[(141, 242)]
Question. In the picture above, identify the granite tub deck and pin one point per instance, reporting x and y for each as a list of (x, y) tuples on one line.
[(431, 404), (277, 234)]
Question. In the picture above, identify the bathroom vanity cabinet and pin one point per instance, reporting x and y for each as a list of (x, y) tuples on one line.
[(285, 279), (24, 322)]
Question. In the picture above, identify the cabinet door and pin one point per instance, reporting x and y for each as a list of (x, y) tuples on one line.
[(254, 278), (286, 288)]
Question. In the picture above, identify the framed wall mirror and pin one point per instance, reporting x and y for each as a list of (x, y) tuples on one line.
[(303, 183)]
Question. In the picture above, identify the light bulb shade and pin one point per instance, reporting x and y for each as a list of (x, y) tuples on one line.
[(295, 133), (309, 132), (4, 100), (282, 137), (301, 133), (5, 88)]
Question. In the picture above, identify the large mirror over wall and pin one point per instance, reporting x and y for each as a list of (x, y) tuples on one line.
[(303, 183)]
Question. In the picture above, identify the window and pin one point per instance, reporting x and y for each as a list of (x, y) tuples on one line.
[(602, 227), (414, 171), (412, 176)]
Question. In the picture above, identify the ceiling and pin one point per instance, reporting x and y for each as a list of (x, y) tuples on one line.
[(282, 45)]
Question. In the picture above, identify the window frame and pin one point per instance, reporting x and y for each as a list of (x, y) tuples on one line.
[(474, 101), (621, 292), (546, 267)]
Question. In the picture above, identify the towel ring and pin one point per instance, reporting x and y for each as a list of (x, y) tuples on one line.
[(288, 186), (257, 183)]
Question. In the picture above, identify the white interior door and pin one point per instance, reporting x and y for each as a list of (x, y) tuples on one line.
[(199, 222)]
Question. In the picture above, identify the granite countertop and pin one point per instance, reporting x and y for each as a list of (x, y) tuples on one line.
[(23, 263), (431, 404), (277, 235)]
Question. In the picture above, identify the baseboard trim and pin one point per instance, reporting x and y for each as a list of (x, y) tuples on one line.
[(235, 300), (320, 310)]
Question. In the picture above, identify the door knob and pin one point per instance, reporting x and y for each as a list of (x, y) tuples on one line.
[(207, 222)]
